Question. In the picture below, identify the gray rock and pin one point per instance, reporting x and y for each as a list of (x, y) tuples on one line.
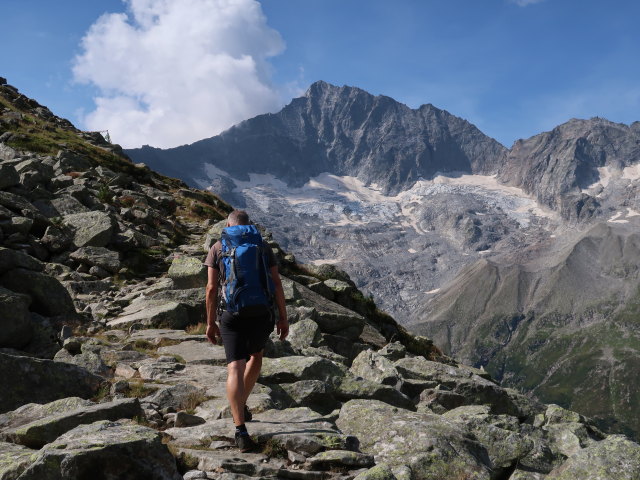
[(154, 314), (197, 352), (48, 296), (115, 449), (331, 322), (293, 369), (379, 472), (351, 387), (98, 256), (184, 419), (376, 368), (37, 433), (8, 176), (314, 394), (304, 333), (14, 459), (10, 259), (181, 396), (36, 380), (60, 205), (340, 458), (188, 272), (213, 235), (430, 445), (91, 361), (16, 329), (393, 351), (92, 229), (34, 411), (16, 224), (56, 240), (615, 458)]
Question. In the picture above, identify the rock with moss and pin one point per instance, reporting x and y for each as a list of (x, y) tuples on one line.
[(315, 394), (99, 257), (304, 333), (48, 295), (152, 314), (188, 272), (91, 229), (115, 449), (41, 381), (430, 445), (374, 367), (351, 387), (16, 329), (91, 361), (339, 458), (10, 259), (196, 352), (292, 369), (35, 411), (37, 433), (181, 396), (379, 472), (14, 459), (614, 458)]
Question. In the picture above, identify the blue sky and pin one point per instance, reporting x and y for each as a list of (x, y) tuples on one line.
[(513, 68)]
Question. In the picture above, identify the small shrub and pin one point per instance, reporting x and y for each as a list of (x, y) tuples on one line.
[(105, 195), (198, 329), (74, 174), (274, 449), (126, 201), (102, 393), (193, 400), (138, 389)]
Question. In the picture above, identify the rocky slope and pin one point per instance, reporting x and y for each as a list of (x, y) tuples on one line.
[(102, 380)]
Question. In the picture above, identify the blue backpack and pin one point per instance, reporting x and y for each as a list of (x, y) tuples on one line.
[(248, 288)]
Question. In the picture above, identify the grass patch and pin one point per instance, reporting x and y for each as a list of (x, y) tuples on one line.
[(273, 449), (138, 389), (193, 400), (102, 393)]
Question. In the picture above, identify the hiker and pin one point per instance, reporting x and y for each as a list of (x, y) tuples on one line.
[(246, 315)]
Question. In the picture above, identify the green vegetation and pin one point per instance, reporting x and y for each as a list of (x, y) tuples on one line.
[(273, 448)]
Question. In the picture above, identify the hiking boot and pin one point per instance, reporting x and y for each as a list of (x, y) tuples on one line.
[(247, 414), (245, 443)]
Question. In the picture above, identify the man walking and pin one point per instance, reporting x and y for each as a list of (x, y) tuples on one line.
[(245, 269)]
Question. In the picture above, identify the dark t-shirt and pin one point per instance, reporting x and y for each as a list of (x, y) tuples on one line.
[(214, 257)]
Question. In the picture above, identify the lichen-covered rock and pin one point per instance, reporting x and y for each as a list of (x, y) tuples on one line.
[(37, 433), (304, 333), (8, 176), (14, 459), (10, 259), (340, 458), (379, 472), (98, 256), (351, 387), (188, 272), (92, 229), (35, 411), (41, 381), (333, 322), (153, 314), (16, 329), (197, 352), (615, 458), (179, 397), (48, 295), (314, 394), (115, 449), (430, 445), (376, 368), (292, 369)]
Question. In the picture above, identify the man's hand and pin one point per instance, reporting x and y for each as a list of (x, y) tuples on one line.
[(283, 328), (213, 333)]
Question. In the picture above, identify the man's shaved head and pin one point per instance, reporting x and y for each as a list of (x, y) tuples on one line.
[(238, 217)]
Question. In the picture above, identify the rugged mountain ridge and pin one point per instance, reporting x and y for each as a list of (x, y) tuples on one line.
[(120, 398), (343, 131)]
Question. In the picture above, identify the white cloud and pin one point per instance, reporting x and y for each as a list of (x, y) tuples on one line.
[(524, 3), (171, 72)]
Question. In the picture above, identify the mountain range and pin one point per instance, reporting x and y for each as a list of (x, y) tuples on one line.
[(521, 260)]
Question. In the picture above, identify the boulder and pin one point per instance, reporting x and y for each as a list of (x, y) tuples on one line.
[(188, 272), (314, 394), (293, 369), (614, 458), (376, 368), (98, 256), (332, 322), (181, 396), (39, 432), (92, 229), (197, 352), (16, 329), (34, 411), (339, 459), (350, 387), (10, 259), (304, 333), (8, 176), (153, 314), (41, 381), (14, 459), (379, 472), (213, 235), (430, 445), (115, 449), (48, 296)]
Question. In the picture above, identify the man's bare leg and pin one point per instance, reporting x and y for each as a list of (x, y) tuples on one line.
[(236, 390), (251, 374)]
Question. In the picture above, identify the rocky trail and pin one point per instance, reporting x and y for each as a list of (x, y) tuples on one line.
[(107, 374)]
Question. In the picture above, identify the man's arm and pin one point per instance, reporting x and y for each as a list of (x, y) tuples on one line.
[(211, 301), (283, 321)]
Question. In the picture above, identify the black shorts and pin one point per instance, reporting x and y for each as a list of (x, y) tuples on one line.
[(243, 336)]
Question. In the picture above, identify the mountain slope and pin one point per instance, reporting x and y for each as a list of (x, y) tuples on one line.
[(343, 131), (563, 324)]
